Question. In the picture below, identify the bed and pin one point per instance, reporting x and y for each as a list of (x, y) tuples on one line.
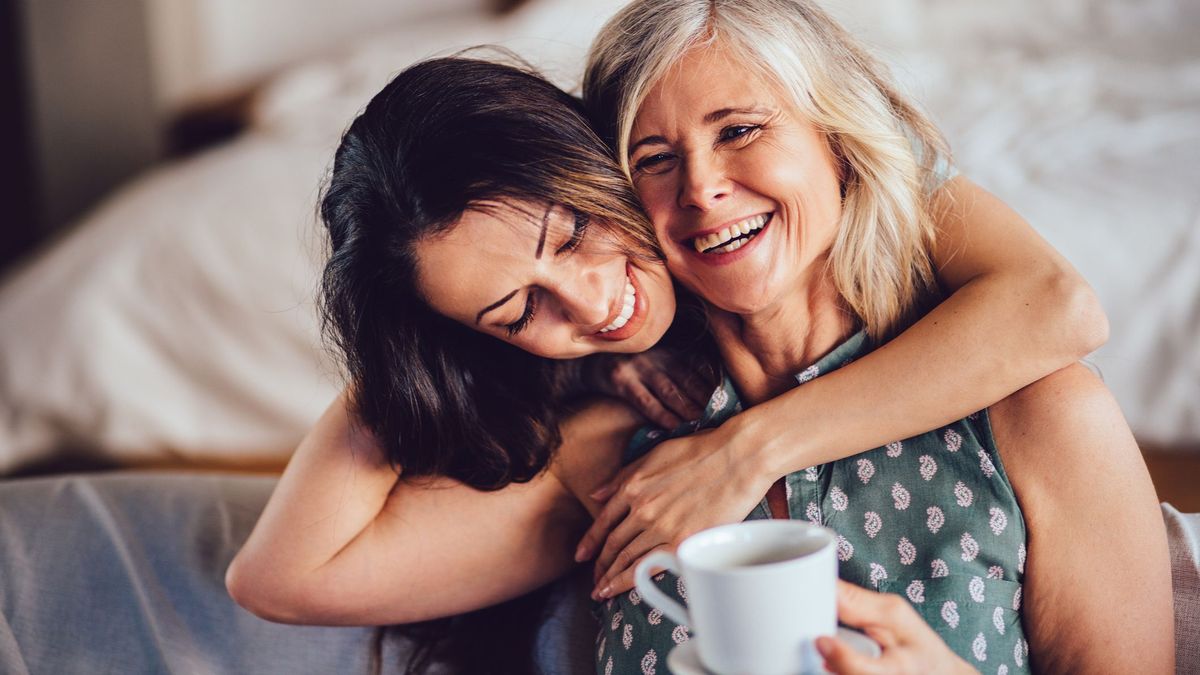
[(173, 326)]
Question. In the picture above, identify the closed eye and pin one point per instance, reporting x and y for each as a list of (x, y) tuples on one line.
[(581, 224), (527, 316)]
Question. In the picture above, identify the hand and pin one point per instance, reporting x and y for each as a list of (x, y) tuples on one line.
[(654, 383), (682, 486), (909, 644)]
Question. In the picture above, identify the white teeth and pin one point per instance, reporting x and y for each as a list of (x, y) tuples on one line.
[(626, 309), (708, 243)]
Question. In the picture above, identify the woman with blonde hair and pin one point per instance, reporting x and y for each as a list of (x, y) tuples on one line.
[(796, 191)]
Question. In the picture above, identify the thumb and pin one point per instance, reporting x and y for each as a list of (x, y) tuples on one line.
[(841, 659)]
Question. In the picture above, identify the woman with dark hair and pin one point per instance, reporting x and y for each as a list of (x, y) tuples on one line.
[(470, 206), (448, 140)]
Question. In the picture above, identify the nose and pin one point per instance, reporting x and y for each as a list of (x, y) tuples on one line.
[(704, 183), (587, 296)]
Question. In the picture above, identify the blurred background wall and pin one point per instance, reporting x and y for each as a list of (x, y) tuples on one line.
[(96, 91)]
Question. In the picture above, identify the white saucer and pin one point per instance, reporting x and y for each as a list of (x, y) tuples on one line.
[(685, 658)]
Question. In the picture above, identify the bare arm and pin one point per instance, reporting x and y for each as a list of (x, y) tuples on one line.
[(1097, 592), (342, 541), (1018, 311)]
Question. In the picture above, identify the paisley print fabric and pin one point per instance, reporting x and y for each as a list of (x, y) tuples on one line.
[(932, 518)]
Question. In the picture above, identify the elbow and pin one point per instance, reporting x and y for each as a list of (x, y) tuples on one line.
[(1076, 309), (263, 594), (1087, 316)]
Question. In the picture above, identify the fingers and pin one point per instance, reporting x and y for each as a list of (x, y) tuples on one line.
[(698, 390), (841, 659), (885, 617), (670, 395), (909, 644), (863, 608), (624, 561), (612, 514), (624, 580), (608, 489), (630, 381), (618, 540), (650, 405)]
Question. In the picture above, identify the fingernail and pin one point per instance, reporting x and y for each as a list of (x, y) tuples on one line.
[(606, 591), (580, 553)]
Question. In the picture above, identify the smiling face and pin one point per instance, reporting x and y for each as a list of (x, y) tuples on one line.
[(743, 192), (546, 280)]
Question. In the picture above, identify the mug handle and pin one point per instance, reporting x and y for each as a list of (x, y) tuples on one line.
[(646, 587)]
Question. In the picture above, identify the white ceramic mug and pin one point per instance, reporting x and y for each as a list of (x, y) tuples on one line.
[(759, 593)]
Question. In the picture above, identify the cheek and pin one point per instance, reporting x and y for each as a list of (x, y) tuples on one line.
[(656, 197), (541, 344)]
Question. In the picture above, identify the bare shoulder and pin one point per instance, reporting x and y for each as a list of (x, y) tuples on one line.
[(1067, 420), (1082, 485), (594, 437)]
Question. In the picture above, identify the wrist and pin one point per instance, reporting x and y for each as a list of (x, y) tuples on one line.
[(757, 446)]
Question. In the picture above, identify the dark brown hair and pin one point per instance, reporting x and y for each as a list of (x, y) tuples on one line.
[(443, 136)]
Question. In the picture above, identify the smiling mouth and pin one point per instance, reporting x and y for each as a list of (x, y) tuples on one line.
[(733, 237), (626, 312)]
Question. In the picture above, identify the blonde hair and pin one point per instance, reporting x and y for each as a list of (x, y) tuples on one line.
[(880, 260)]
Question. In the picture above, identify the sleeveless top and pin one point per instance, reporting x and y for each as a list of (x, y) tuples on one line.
[(932, 518)]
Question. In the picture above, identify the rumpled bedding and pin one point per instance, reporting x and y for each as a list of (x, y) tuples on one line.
[(123, 573)]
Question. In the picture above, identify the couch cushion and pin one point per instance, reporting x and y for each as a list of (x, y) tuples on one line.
[(1183, 533)]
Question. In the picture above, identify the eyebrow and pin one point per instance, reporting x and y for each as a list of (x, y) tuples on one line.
[(542, 237), (718, 115), (714, 116), (494, 305), (649, 140), (537, 255)]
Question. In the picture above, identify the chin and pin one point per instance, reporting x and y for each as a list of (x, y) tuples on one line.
[(734, 297)]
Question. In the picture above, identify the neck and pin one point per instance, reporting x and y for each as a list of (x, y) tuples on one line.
[(765, 349)]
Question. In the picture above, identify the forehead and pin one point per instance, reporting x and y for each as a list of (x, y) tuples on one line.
[(490, 245), (506, 225), (705, 79)]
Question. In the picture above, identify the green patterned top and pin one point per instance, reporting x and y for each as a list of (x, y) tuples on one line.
[(932, 518)]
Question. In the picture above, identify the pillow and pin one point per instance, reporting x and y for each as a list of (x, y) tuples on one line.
[(176, 322)]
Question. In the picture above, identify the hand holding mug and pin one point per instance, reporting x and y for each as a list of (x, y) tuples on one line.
[(909, 644)]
